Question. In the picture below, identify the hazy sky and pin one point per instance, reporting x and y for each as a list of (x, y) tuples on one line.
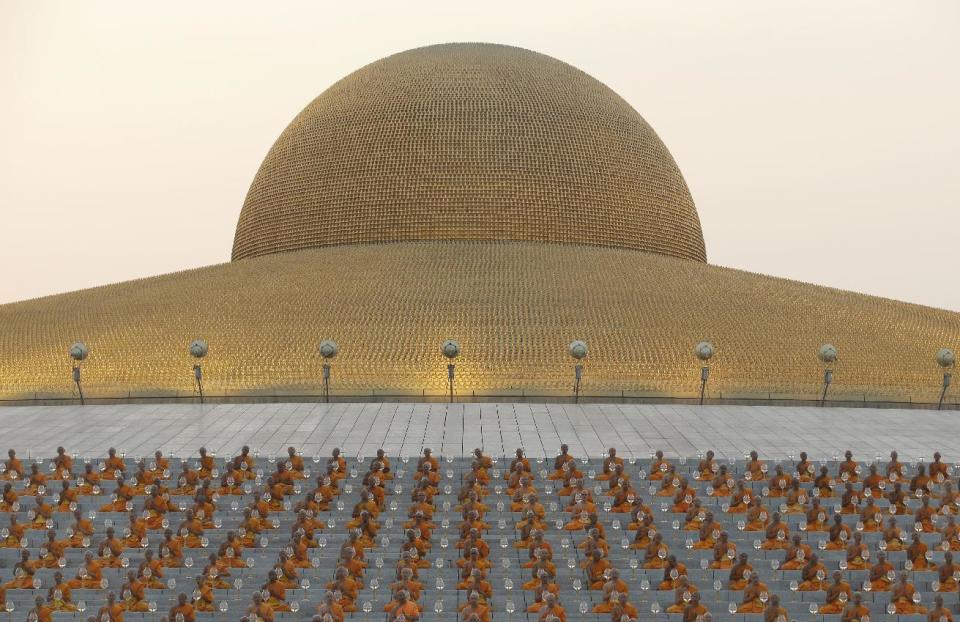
[(820, 139)]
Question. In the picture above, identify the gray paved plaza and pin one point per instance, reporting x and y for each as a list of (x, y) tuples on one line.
[(405, 428)]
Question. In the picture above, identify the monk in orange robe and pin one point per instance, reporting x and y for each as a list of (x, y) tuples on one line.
[(838, 594)]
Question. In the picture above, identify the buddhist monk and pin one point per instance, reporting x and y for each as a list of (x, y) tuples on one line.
[(939, 613), (184, 608), (902, 597), (754, 596), (811, 575), (112, 610), (881, 574), (838, 593)]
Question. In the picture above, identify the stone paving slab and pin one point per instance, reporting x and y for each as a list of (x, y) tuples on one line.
[(405, 428)]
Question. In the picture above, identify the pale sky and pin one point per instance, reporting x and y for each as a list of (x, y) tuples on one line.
[(820, 139)]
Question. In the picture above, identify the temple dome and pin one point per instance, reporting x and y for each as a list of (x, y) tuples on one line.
[(469, 141)]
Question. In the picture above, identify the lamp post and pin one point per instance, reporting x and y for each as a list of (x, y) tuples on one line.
[(78, 352), (578, 350), (450, 349), (704, 352), (945, 359), (198, 350), (328, 350), (828, 356)]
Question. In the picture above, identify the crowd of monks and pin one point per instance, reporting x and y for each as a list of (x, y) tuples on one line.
[(927, 495)]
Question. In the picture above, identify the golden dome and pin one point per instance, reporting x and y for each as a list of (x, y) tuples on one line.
[(469, 141)]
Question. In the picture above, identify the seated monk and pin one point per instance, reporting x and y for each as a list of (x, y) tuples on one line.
[(925, 516), (694, 611), (63, 465), (812, 574), (682, 594), (406, 582), (187, 481), (894, 468), (779, 483), (721, 483), (539, 570), (939, 471), (754, 596), (89, 576), (171, 550), (91, 481), (777, 534), (685, 499), (939, 613), (185, 609), (329, 610), (659, 467), (348, 588), (920, 483), (797, 554), (839, 535), (207, 464), (261, 610), (645, 531), (724, 552), (707, 467), (707, 533), (855, 611), (816, 516), (474, 583), (402, 607), (796, 499), (552, 609), (37, 481), (609, 464), (10, 499), (59, 595), (13, 467), (946, 574), (757, 516), (137, 532), (740, 499), (892, 536), (655, 554), (881, 574), (122, 497), (150, 571), (838, 593), (849, 500), (110, 550), (873, 484), (917, 555), (67, 497), (672, 571), (740, 573), (773, 611), (42, 512), (81, 531), (203, 600), (755, 468), (474, 608), (111, 610), (191, 531), (902, 597), (898, 499), (277, 591), (623, 609), (133, 594), (113, 467), (871, 516), (669, 483), (53, 551), (610, 592), (40, 612), (595, 571), (823, 484), (849, 469), (15, 534), (805, 469), (23, 573), (858, 555)]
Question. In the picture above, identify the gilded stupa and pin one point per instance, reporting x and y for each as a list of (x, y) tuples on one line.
[(488, 194)]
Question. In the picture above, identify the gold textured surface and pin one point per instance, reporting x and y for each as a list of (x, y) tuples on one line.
[(472, 142), (513, 306)]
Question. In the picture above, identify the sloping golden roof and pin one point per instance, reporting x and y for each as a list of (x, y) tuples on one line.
[(513, 306), (469, 141)]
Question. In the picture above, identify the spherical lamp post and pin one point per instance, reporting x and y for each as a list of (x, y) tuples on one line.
[(827, 355), (451, 350), (946, 359), (78, 352), (578, 350), (328, 350), (198, 350), (704, 352)]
